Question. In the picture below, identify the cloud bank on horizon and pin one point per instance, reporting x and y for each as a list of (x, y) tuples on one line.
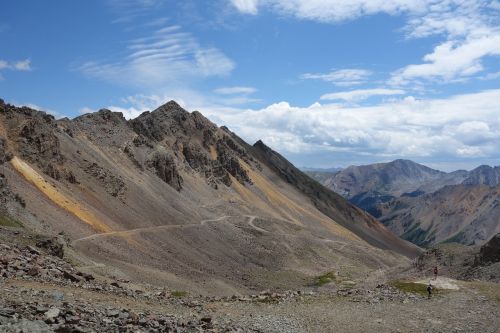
[(326, 83)]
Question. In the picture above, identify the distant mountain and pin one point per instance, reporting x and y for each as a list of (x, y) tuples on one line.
[(169, 198), (467, 214), (366, 186), (411, 198), (483, 174)]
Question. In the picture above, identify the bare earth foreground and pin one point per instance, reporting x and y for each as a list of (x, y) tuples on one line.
[(40, 292), (470, 309)]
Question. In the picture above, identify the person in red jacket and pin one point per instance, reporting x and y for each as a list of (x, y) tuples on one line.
[(435, 272)]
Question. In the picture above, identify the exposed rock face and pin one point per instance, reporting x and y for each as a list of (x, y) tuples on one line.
[(53, 245), (114, 185), (166, 169), (5, 154), (192, 138), (35, 135), (490, 252)]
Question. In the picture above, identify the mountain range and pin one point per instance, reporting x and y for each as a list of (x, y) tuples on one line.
[(424, 205), (169, 198)]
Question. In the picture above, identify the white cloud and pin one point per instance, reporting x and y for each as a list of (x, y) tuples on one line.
[(128, 10), (20, 65), (167, 56), (342, 77), (246, 6), (235, 90), (451, 60), (334, 10), (361, 94), (462, 126)]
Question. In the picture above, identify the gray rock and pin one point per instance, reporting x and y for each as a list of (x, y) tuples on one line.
[(52, 313), (25, 326)]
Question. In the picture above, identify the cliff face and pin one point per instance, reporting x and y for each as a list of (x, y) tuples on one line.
[(169, 197)]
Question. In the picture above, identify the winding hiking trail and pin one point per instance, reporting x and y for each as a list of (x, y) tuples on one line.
[(137, 230), (250, 222)]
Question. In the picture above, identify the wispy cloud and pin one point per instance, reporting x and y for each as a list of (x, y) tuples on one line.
[(361, 94), (128, 10), (236, 95), (246, 6), (166, 56), (235, 90), (333, 11), (342, 77), (20, 65)]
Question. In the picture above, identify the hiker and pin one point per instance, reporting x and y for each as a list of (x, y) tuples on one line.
[(429, 290), (435, 272)]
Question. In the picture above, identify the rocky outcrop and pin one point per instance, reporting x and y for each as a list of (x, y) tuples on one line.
[(114, 185), (490, 252), (5, 154), (35, 135), (166, 169)]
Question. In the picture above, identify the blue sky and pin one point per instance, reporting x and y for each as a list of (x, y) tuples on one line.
[(326, 83)]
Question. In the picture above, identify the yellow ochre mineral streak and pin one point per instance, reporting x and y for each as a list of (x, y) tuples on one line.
[(57, 196)]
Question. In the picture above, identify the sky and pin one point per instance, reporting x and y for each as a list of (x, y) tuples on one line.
[(325, 83)]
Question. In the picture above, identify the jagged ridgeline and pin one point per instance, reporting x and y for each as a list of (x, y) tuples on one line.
[(169, 197)]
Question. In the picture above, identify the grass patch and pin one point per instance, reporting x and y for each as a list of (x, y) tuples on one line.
[(324, 279), (412, 287), (9, 222), (179, 293)]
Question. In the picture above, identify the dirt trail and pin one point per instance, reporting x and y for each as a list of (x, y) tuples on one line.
[(137, 230)]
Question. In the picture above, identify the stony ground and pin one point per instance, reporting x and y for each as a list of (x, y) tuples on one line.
[(41, 292)]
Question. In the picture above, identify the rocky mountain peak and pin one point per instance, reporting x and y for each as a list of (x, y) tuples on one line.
[(170, 106), (102, 116), (483, 175)]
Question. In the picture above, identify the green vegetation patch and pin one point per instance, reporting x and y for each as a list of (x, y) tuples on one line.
[(324, 279), (179, 293), (412, 287), (9, 222)]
